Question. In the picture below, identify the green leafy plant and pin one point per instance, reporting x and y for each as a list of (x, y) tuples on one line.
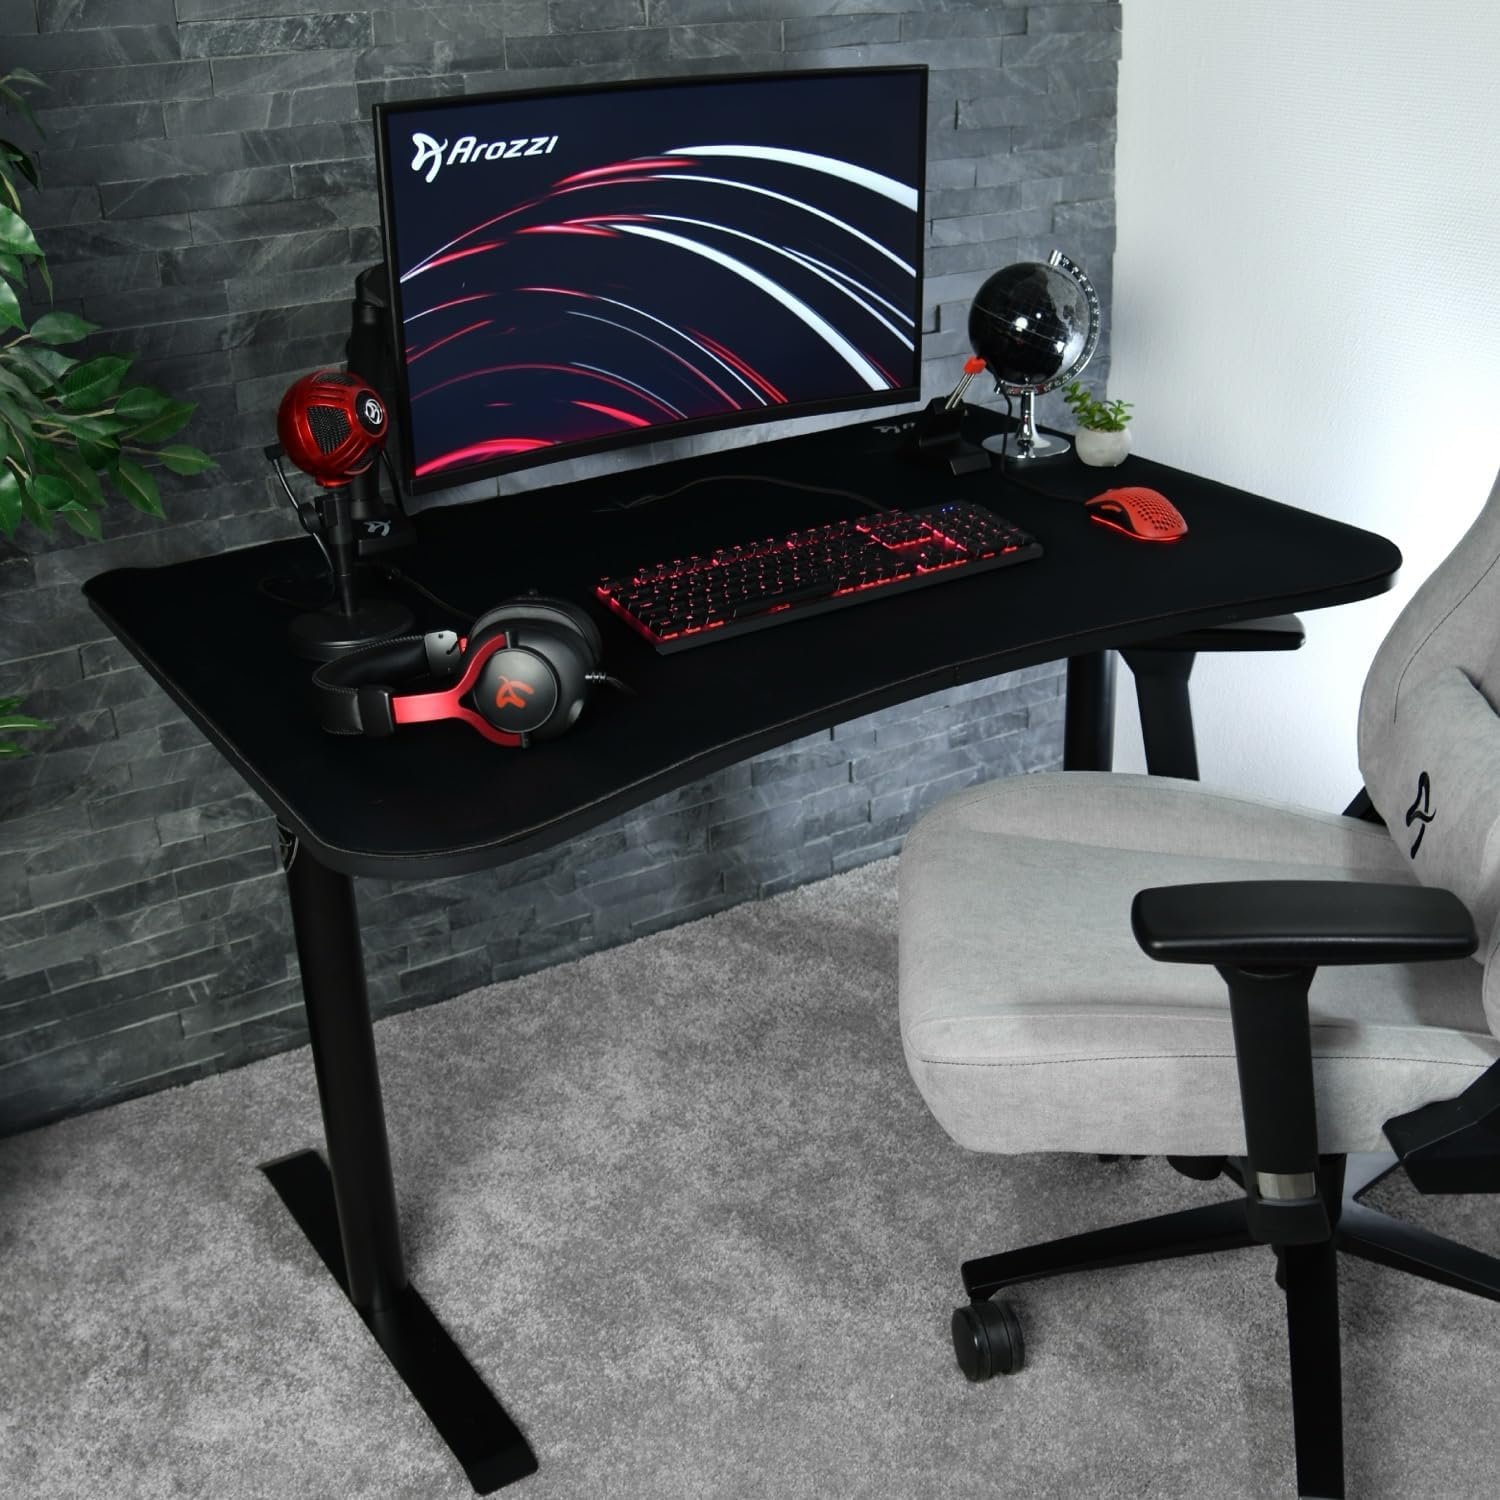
[(68, 426), (1097, 416)]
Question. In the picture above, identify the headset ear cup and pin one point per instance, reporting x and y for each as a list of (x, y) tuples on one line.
[(559, 612), (545, 648), (570, 660)]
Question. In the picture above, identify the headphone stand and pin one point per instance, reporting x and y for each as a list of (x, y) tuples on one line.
[(347, 623)]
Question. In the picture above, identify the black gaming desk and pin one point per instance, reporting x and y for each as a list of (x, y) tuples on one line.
[(439, 800)]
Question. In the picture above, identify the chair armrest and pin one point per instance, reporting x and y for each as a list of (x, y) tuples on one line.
[(1267, 939), (1271, 633), (1260, 924)]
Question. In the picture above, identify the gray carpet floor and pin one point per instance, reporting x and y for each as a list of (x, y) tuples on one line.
[(687, 1214)]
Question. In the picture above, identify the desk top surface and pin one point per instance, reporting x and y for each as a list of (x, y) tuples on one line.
[(440, 800)]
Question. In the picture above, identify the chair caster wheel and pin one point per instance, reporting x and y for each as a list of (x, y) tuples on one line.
[(987, 1340)]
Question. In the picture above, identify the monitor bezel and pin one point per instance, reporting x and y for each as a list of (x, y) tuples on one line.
[(861, 401)]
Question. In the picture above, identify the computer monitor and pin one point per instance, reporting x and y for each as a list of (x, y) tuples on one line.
[(576, 269)]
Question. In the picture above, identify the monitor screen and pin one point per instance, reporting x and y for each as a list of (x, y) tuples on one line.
[(582, 268)]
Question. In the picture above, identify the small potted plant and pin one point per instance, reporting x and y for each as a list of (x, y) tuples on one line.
[(1102, 440)]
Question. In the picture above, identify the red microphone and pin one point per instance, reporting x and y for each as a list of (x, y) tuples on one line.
[(332, 426)]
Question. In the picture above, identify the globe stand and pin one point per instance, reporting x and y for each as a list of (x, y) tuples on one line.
[(1026, 444)]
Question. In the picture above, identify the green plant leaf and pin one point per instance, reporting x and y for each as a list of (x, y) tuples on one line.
[(22, 721), (10, 307), (10, 505), (20, 103), (35, 514), (27, 168), (140, 403), (98, 424), (181, 459), (50, 492), (84, 521), (20, 426), (36, 375), (171, 421), (99, 453), (138, 486), (18, 387), (16, 237), (26, 379), (11, 268), (53, 361), (93, 382), (25, 75), (61, 328), (84, 481)]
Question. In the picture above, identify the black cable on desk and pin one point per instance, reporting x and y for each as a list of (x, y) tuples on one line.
[(1012, 478), (395, 575)]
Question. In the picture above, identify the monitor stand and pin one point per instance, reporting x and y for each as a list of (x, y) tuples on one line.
[(380, 523)]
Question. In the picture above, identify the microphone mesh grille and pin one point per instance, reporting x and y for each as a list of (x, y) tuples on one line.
[(329, 427)]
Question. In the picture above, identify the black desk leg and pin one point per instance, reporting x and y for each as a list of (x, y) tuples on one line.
[(349, 1215), (1161, 689), (1089, 728)]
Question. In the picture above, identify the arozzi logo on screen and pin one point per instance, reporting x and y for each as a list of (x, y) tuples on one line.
[(434, 155)]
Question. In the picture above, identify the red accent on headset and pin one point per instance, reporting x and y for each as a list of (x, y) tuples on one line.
[(423, 708)]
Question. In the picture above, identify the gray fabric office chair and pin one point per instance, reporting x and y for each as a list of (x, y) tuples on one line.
[(1059, 940)]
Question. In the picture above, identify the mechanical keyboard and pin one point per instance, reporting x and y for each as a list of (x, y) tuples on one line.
[(691, 601)]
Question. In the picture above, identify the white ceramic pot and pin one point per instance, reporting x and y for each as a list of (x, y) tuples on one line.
[(1102, 450)]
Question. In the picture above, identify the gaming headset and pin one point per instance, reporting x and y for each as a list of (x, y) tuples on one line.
[(523, 673)]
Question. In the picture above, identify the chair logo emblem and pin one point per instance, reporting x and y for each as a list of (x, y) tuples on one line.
[(1420, 811), (510, 694)]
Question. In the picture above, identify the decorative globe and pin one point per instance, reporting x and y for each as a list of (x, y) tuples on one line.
[(1036, 326)]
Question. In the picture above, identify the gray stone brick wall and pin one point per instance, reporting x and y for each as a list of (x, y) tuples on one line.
[(208, 196)]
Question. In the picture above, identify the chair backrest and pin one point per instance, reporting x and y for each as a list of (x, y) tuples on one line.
[(1429, 735)]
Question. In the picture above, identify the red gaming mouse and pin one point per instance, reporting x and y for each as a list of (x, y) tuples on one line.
[(1143, 515)]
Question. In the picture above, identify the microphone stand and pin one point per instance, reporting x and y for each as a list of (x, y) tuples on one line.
[(346, 623)]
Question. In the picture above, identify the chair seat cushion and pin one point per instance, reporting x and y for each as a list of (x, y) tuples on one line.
[(1033, 1022)]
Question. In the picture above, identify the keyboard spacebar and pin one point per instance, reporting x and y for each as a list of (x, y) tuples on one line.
[(767, 602)]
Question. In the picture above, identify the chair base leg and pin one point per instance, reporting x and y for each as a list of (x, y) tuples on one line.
[(1309, 1273), (1312, 1328), (1374, 1236), (1195, 1231)]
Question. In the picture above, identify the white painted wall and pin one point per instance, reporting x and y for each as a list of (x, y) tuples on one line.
[(1307, 305)]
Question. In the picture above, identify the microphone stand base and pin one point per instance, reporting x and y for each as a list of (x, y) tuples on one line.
[(330, 633)]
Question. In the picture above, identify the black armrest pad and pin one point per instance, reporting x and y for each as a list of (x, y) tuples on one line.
[(1272, 633), (1300, 923)]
